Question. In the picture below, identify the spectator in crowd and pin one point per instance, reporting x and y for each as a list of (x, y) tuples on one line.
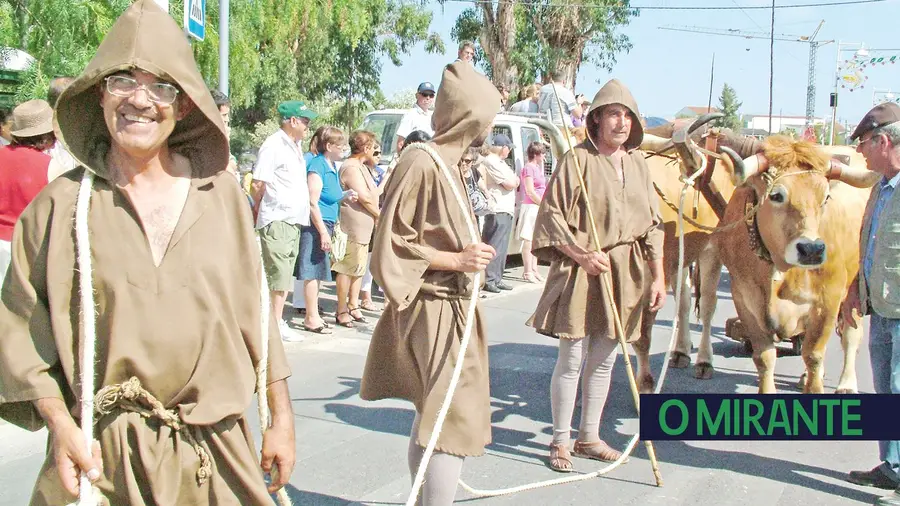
[(504, 95), (574, 307), (314, 145), (501, 183), (223, 103), (873, 291), (25, 168), (419, 117), (534, 183), (282, 203), (325, 194), (466, 52), (547, 101), (358, 222), (580, 111), (5, 126), (481, 199), (59, 152), (529, 102)]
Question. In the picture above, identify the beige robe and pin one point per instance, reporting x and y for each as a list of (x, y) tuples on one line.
[(416, 343), (573, 304), (188, 329)]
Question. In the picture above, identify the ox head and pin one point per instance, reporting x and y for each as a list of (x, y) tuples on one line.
[(681, 142), (792, 180)]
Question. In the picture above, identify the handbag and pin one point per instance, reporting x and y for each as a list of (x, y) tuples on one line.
[(338, 243), (480, 203)]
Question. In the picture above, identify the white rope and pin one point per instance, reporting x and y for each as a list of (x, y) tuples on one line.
[(87, 494), (467, 331), (634, 439)]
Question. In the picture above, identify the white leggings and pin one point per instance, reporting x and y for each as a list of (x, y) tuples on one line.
[(367, 277), (441, 477), (598, 353)]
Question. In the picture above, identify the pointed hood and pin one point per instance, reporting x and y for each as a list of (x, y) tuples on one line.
[(464, 108), (614, 92), (147, 38)]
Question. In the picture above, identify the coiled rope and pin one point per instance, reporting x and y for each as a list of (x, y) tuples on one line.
[(127, 394)]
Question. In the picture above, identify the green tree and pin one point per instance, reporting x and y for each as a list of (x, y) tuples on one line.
[(547, 37), (729, 105)]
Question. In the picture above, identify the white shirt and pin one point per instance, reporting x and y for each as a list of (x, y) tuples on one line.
[(280, 165), (65, 161), (526, 105), (547, 102), (415, 119), (496, 172)]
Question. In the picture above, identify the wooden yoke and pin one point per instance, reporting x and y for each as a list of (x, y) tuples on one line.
[(705, 184)]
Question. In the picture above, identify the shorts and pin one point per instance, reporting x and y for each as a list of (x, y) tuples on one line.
[(355, 260), (527, 216), (313, 263), (280, 242)]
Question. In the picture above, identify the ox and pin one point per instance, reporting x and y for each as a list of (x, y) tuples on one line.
[(792, 263)]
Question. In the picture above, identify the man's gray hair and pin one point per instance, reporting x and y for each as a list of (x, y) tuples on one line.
[(892, 131)]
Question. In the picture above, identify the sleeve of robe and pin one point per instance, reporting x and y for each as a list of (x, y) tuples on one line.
[(552, 226), (29, 363), (399, 255), (652, 240)]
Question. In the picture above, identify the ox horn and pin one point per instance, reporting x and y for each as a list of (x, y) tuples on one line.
[(702, 120), (746, 167), (854, 176), (655, 144)]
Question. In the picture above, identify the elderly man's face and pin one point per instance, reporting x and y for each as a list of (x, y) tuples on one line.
[(876, 150), (141, 110), (425, 100), (614, 125)]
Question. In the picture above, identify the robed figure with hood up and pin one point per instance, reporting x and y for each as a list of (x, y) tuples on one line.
[(573, 306), (423, 258), (176, 283)]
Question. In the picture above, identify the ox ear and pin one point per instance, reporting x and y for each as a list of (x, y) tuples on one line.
[(655, 144), (852, 175), (745, 168)]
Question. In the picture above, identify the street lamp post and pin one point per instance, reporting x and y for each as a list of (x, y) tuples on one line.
[(224, 41)]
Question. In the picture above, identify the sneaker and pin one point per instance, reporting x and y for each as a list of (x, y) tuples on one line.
[(288, 334)]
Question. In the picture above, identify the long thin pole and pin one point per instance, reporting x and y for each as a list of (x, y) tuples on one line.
[(837, 78), (712, 72), (224, 42), (771, 64)]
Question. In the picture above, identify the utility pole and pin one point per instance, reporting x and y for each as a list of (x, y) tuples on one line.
[(224, 42), (712, 72), (771, 65)]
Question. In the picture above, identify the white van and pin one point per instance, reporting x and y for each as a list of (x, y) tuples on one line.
[(522, 128)]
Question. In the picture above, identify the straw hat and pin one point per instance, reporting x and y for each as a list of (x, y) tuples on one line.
[(32, 118)]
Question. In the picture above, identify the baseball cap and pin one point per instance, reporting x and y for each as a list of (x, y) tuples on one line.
[(295, 109), (879, 116), (426, 87), (502, 140)]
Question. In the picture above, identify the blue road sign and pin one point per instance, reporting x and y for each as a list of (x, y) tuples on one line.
[(195, 18)]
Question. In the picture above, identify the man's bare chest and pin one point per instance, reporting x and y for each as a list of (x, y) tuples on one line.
[(159, 212)]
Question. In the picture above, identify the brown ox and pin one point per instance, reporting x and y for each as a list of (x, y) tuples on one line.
[(808, 223)]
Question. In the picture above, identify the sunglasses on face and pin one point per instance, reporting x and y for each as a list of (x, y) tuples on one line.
[(428, 95), (160, 93), (377, 153), (467, 160)]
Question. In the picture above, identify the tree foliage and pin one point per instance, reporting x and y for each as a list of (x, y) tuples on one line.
[(326, 52), (547, 37), (729, 105)]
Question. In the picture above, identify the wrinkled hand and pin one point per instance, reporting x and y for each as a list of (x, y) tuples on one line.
[(594, 262), (657, 294), (851, 303), (72, 457), (475, 257), (279, 453), (325, 244)]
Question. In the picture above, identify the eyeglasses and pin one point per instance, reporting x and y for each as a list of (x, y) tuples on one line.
[(467, 160), (428, 95), (865, 141), (160, 93)]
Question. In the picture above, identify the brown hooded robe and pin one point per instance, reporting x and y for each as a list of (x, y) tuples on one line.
[(416, 343), (573, 304), (188, 329)]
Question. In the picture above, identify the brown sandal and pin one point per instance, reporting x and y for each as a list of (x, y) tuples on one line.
[(560, 458), (348, 324), (597, 450)]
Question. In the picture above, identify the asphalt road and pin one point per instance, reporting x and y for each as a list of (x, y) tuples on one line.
[(354, 452)]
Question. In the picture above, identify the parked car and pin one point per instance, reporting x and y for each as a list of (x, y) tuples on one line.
[(522, 128)]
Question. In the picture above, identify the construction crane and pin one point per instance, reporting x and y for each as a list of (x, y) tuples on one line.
[(814, 46)]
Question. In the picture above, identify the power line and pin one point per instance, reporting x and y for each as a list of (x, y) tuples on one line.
[(668, 8)]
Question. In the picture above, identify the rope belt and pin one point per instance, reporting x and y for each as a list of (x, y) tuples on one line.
[(131, 396)]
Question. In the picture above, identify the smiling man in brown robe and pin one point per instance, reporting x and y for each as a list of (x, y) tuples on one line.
[(176, 281), (573, 306), (423, 258)]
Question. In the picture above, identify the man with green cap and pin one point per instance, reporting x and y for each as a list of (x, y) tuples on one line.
[(133, 310), (281, 204)]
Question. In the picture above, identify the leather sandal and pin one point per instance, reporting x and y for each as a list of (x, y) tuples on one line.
[(597, 450), (360, 319), (337, 319), (560, 458)]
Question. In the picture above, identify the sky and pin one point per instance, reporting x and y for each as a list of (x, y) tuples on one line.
[(667, 70)]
